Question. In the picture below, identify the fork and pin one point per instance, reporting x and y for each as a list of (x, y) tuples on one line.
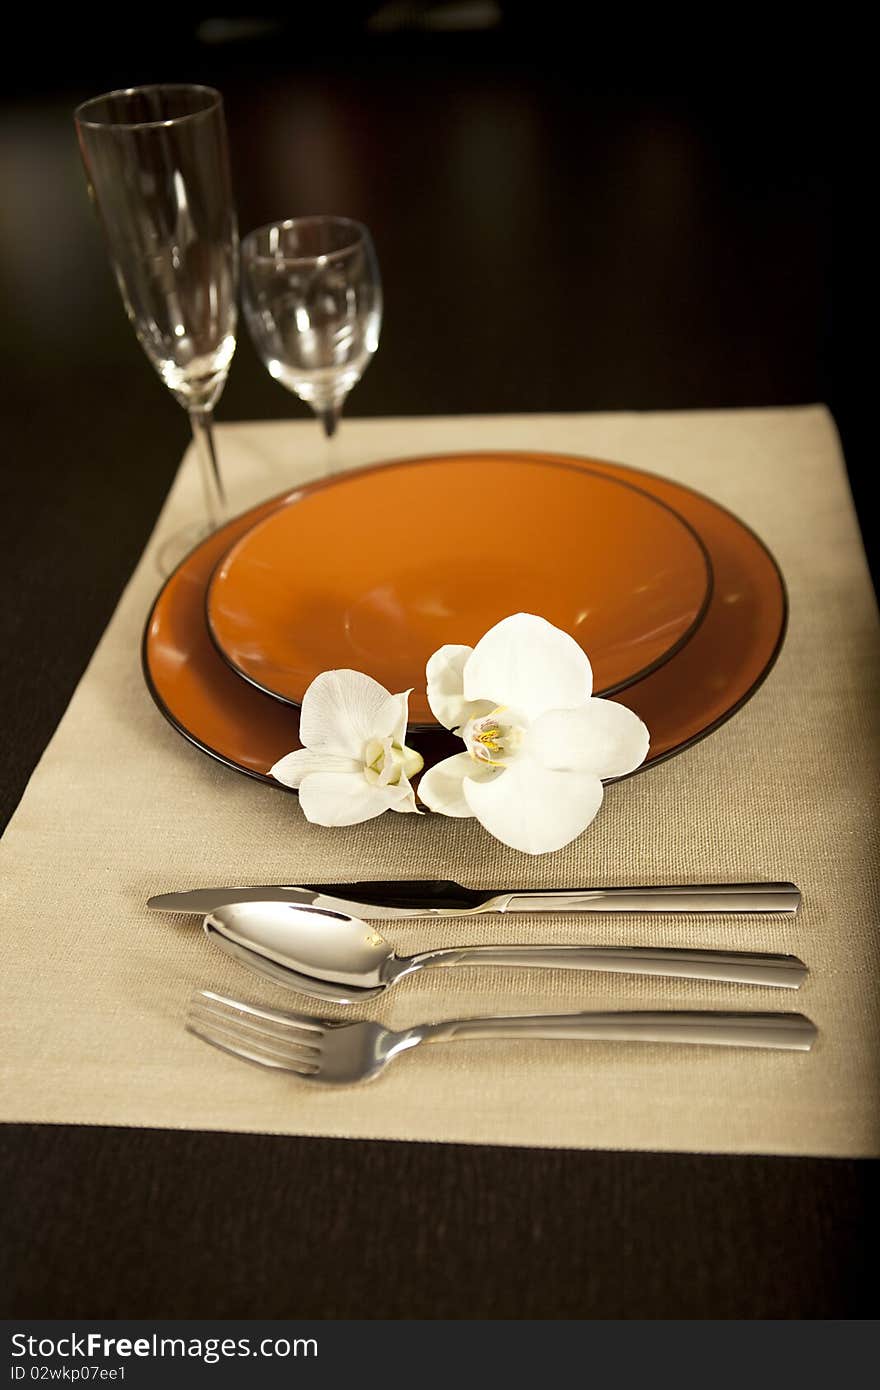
[(340, 1054)]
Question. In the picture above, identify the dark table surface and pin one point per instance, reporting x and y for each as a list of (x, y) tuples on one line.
[(558, 230)]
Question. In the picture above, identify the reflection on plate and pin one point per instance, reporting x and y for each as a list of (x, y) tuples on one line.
[(706, 682), (376, 569)]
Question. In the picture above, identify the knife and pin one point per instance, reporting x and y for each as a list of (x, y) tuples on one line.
[(444, 898)]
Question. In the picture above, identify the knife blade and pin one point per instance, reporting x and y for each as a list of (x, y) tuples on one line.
[(409, 898)]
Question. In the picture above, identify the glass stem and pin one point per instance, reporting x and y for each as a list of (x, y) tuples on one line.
[(329, 417), (202, 422)]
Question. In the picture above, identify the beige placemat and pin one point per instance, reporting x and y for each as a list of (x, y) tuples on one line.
[(95, 988)]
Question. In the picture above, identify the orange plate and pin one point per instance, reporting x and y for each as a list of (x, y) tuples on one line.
[(707, 682), (377, 569)]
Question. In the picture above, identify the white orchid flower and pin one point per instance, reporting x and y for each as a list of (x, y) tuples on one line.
[(355, 763), (537, 744)]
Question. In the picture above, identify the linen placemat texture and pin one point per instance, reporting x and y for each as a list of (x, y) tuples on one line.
[(95, 987)]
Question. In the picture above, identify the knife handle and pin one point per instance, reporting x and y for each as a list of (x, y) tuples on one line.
[(712, 897)]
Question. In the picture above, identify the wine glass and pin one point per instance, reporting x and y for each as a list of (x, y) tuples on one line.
[(157, 167), (313, 303)]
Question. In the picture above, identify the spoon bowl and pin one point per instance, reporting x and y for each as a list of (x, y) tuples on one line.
[(326, 954)]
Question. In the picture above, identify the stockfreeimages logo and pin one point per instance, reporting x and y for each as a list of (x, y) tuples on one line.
[(93, 1346)]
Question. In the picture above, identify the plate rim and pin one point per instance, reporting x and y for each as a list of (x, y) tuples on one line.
[(646, 766), (569, 461)]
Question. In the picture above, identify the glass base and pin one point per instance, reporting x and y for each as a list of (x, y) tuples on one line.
[(178, 545)]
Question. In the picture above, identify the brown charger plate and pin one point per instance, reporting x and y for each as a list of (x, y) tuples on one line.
[(711, 678), (376, 569)]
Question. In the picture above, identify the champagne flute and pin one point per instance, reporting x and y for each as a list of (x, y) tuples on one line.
[(157, 167), (313, 303)]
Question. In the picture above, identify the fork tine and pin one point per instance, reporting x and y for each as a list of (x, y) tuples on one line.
[(228, 1041), (306, 1047), (281, 1016), (308, 1038)]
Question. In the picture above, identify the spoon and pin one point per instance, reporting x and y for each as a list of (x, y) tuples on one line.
[(343, 960)]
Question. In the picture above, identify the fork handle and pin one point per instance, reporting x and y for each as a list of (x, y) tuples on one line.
[(679, 962), (776, 1030)]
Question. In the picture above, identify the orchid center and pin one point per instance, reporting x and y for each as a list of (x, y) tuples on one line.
[(385, 762), (493, 738)]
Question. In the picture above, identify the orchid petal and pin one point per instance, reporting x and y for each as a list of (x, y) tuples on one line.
[(404, 798), (602, 737), (526, 664), (391, 718), (445, 682), (441, 788), (344, 798), (342, 709), (293, 767), (412, 761), (533, 808)]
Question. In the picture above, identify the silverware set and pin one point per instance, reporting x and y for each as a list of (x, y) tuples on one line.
[(316, 940)]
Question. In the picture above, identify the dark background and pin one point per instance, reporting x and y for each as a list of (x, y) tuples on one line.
[(571, 213)]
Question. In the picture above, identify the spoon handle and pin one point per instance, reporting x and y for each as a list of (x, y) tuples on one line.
[(777, 1030), (736, 967)]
